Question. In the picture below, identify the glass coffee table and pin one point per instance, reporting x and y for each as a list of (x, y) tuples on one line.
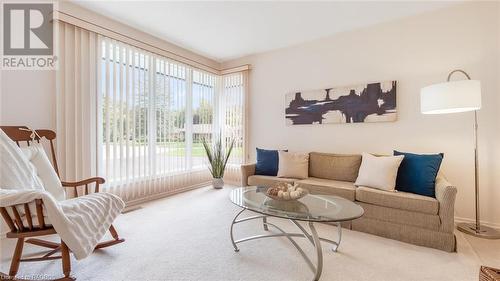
[(310, 209)]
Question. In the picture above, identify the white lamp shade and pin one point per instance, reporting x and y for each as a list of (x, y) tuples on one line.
[(450, 97)]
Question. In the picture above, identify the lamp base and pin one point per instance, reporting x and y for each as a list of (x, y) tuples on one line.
[(483, 232)]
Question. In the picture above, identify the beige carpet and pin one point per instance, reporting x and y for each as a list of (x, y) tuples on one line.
[(186, 237)]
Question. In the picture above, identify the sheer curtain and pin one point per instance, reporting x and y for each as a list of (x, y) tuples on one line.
[(76, 100)]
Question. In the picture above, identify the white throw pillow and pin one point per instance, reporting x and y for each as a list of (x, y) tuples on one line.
[(293, 165), (16, 172), (379, 172), (44, 170)]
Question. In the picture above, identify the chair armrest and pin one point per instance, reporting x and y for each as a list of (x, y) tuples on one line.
[(96, 180), (446, 194), (246, 171)]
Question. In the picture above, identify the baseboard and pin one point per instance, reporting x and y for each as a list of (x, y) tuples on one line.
[(467, 220), (164, 194), (235, 183)]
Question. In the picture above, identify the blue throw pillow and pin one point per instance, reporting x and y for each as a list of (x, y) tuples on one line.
[(267, 162), (417, 173)]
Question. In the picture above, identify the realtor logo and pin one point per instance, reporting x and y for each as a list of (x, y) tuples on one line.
[(28, 36), (28, 29)]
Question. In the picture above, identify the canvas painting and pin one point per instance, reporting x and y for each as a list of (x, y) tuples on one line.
[(373, 102)]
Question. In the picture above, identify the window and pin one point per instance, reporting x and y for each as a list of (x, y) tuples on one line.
[(170, 118), (202, 115), (154, 114), (233, 106)]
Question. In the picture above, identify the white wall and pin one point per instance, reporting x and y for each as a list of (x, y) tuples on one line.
[(416, 51), (28, 98)]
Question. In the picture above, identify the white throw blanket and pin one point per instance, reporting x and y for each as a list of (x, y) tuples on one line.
[(80, 222)]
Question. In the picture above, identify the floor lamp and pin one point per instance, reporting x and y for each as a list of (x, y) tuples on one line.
[(459, 96)]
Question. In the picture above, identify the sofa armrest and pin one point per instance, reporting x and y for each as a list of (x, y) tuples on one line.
[(446, 194), (246, 171)]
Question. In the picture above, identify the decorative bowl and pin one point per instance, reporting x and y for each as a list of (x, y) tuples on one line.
[(286, 192), (283, 199)]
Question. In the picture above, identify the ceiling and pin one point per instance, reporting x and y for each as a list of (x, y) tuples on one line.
[(227, 30)]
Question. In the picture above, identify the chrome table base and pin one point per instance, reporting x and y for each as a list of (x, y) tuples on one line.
[(313, 238)]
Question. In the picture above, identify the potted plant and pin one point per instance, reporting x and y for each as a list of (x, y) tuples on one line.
[(217, 157)]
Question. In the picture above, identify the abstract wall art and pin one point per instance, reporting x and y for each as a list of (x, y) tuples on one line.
[(372, 102)]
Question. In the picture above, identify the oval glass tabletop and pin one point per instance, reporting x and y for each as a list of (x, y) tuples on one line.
[(312, 207)]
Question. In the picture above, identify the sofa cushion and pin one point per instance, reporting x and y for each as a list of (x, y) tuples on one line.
[(379, 171), (399, 216), (417, 173), (399, 200), (293, 165), (343, 189), (341, 167), (267, 162), (260, 180)]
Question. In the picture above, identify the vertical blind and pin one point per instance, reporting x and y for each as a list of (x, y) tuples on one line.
[(76, 97), (232, 102), (152, 116)]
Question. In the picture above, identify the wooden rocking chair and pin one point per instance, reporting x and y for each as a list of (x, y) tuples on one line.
[(34, 225)]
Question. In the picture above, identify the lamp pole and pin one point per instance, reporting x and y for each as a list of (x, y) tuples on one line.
[(475, 229), (476, 174)]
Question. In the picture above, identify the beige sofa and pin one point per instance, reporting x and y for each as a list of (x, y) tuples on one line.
[(403, 216)]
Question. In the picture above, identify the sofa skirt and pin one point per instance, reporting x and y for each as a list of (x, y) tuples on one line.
[(406, 233)]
